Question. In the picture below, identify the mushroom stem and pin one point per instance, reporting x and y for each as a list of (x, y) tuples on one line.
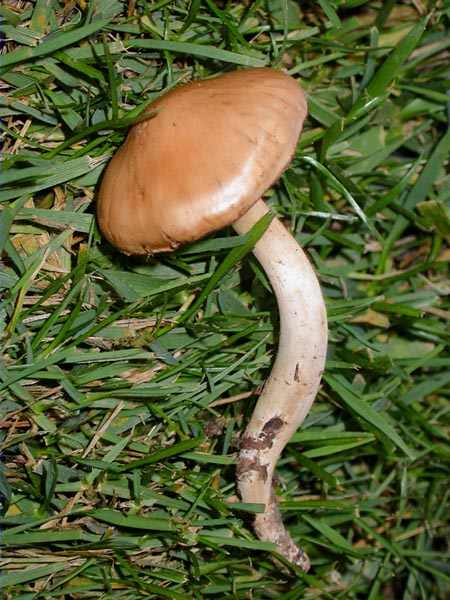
[(294, 381)]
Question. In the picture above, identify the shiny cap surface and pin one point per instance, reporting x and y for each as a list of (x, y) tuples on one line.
[(210, 152)]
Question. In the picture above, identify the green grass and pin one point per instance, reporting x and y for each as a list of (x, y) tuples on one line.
[(125, 384)]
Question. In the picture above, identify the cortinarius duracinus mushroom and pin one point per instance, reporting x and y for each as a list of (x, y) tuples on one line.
[(201, 163)]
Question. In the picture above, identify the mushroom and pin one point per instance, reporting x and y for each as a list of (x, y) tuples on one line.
[(201, 163)]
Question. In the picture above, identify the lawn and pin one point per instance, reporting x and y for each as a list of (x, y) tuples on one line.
[(121, 408)]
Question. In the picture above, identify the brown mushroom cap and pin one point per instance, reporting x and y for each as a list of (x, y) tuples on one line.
[(212, 150)]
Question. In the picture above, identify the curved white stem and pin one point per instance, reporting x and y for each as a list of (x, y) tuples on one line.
[(294, 381)]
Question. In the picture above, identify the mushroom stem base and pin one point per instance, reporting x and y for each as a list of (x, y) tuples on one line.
[(294, 381)]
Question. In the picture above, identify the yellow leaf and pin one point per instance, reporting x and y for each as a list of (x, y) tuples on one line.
[(372, 317)]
